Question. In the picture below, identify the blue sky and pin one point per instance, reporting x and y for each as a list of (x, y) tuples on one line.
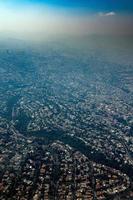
[(125, 6), (72, 17), (94, 5)]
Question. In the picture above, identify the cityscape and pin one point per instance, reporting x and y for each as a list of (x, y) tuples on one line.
[(66, 120)]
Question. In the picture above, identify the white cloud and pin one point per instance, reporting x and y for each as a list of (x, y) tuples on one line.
[(107, 14)]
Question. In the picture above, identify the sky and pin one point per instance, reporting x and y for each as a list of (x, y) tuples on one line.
[(45, 18)]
